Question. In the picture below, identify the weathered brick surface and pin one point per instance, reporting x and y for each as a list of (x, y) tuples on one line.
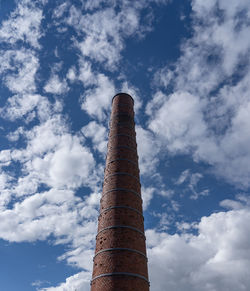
[(122, 108), (121, 181), (120, 216), (125, 198), (122, 140), (119, 283), (121, 118), (120, 223), (120, 261), (123, 153), (122, 165), (122, 130), (120, 238)]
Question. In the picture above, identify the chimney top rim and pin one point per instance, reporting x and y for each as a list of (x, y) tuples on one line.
[(122, 93)]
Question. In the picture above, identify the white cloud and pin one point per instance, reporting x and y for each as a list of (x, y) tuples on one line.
[(98, 100), (105, 29), (218, 257), (71, 75), (44, 137), (230, 34), (101, 39), (147, 196), (23, 24), (19, 69), (103, 42), (51, 157), (148, 149), (60, 10), (5, 157), (27, 107), (55, 157), (80, 281), (149, 192), (33, 218), (5, 183), (99, 89), (98, 134), (56, 86), (59, 161), (231, 204), (240, 203), (183, 177), (58, 214), (19, 105), (86, 74), (134, 92), (94, 199), (215, 259), (93, 4), (156, 102), (179, 121), (69, 166), (208, 117)]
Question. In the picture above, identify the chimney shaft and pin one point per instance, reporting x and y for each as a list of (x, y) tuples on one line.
[(120, 261)]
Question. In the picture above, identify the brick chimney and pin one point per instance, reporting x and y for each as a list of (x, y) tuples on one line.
[(120, 261)]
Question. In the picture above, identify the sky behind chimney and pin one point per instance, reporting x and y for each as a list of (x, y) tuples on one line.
[(186, 64)]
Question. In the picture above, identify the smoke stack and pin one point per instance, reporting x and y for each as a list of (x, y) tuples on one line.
[(120, 261)]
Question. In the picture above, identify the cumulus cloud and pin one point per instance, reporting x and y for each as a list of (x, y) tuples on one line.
[(23, 24), (134, 92), (55, 157), (147, 195), (19, 69), (57, 214), (71, 75), (104, 30), (18, 106), (202, 115), (98, 134), (21, 222), (217, 258), (179, 120), (229, 35), (97, 100), (148, 149), (80, 281), (242, 201), (56, 86), (69, 166)]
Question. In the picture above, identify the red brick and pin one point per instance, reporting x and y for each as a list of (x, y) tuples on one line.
[(120, 262)]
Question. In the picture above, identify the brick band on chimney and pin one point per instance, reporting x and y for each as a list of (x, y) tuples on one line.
[(120, 261)]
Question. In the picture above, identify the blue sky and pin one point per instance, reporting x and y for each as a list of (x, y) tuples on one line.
[(186, 63)]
